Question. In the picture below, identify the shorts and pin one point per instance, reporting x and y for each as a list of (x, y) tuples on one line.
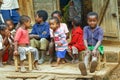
[(61, 54), (41, 44), (11, 14)]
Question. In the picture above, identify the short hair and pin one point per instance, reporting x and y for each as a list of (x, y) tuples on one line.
[(9, 20), (23, 19), (76, 21), (42, 14), (92, 14), (57, 12), (56, 19), (3, 26)]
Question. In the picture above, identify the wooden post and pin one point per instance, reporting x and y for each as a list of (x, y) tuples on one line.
[(30, 60), (16, 63)]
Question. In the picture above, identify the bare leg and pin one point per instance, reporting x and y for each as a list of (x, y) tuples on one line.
[(58, 62), (1, 54), (51, 52), (22, 66), (41, 61), (10, 56)]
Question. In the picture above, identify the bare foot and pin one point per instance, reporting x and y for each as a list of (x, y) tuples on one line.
[(55, 65), (10, 62), (36, 65), (1, 65)]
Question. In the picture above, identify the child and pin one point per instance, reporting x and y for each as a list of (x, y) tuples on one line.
[(59, 38), (40, 35), (11, 27), (22, 43), (93, 36), (63, 26), (76, 44), (4, 43)]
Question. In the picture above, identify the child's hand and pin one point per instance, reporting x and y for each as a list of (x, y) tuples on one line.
[(94, 52), (60, 44), (88, 51), (15, 53)]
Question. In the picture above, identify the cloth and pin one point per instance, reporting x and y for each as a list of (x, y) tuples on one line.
[(61, 54), (10, 14), (93, 37), (63, 26), (22, 36), (1, 40), (100, 49), (23, 51), (60, 37), (41, 44), (42, 30), (9, 4), (77, 39)]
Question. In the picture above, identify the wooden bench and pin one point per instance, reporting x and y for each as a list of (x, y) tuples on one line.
[(23, 76), (29, 58)]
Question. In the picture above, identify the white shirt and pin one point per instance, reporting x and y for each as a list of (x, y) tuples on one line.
[(1, 40), (9, 4)]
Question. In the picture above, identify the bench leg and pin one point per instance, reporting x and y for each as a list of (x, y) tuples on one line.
[(30, 61), (16, 63)]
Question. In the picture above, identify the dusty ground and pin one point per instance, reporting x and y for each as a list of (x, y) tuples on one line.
[(116, 74)]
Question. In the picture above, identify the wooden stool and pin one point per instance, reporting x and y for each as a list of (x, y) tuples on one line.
[(17, 61)]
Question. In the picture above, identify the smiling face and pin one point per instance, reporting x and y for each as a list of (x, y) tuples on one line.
[(92, 21), (53, 24)]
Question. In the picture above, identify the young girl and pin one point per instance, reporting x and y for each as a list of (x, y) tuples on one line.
[(76, 44), (63, 26), (22, 42), (59, 38), (4, 43)]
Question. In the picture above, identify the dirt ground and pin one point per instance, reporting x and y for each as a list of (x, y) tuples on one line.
[(116, 74)]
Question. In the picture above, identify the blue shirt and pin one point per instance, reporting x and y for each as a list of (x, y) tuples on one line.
[(94, 36), (42, 30)]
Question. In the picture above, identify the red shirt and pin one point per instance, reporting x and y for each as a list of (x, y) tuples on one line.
[(77, 39), (22, 36)]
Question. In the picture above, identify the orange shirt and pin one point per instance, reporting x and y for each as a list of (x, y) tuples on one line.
[(22, 36)]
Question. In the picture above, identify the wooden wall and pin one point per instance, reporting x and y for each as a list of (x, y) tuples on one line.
[(26, 8), (109, 18)]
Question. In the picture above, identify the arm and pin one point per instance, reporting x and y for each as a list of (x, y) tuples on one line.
[(45, 33), (33, 33)]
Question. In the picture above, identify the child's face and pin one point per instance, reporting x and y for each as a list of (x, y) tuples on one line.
[(10, 25), (38, 19), (92, 21), (53, 24), (58, 16), (27, 24)]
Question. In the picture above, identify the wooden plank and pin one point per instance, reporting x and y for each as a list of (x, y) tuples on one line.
[(103, 10)]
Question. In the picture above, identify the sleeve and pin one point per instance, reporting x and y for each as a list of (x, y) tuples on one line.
[(66, 28), (18, 35), (85, 33), (33, 30), (100, 37), (51, 33), (46, 32)]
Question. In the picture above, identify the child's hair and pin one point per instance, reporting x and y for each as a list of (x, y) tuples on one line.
[(56, 19), (3, 26), (23, 19), (92, 14), (56, 12), (9, 20), (42, 14), (76, 21)]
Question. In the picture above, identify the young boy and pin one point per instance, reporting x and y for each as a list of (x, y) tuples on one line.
[(59, 39), (4, 43), (40, 35), (93, 36), (63, 26), (76, 44), (22, 43)]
